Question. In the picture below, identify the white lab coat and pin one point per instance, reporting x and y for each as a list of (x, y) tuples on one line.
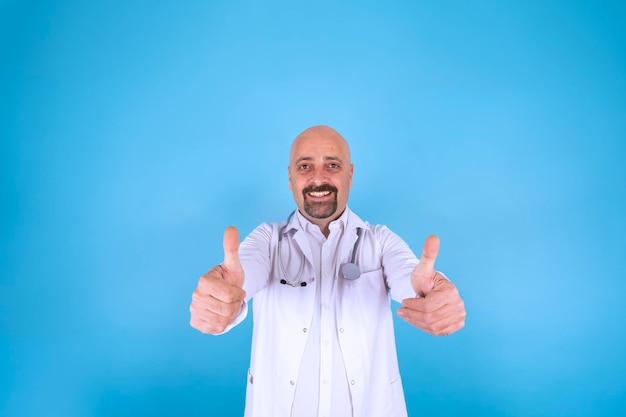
[(282, 314)]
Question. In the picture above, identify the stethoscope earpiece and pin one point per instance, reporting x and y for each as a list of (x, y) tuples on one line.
[(285, 282)]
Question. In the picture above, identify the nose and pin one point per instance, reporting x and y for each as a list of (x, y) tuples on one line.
[(318, 177)]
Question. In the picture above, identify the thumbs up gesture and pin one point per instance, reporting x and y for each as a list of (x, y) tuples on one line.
[(217, 300), (438, 308)]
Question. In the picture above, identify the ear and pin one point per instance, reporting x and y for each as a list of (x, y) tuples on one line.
[(351, 173)]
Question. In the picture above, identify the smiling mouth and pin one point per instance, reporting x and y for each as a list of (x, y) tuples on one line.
[(318, 194), (320, 202)]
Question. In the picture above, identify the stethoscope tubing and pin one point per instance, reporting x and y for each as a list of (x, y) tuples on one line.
[(350, 271)]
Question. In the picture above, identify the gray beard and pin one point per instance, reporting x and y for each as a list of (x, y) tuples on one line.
[(321, 210)]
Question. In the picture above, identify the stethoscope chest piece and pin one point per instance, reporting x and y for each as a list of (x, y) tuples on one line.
[(350, 271)]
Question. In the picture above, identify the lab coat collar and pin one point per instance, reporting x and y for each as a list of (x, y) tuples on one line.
[(347, 221)]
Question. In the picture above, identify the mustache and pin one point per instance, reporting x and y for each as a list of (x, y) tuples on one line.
[(318, 188)]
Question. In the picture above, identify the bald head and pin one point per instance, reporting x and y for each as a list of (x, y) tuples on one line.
[(320, 134), (320, 174)]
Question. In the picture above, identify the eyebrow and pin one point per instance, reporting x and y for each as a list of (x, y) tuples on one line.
[(326, 158)]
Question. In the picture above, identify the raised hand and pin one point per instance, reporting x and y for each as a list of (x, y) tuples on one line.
[(438, 308), (217, 300)]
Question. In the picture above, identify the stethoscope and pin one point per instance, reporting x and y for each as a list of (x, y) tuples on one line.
[(349, 271)]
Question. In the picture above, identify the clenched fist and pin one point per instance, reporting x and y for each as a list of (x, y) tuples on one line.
[(438, 308), (217, 300)]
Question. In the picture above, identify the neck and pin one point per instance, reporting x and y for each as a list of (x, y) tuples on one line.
[(324, 229), (323, 224)]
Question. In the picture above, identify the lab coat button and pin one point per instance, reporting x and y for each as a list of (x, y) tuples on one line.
[(341, 330), (292, 382), (352, 382), (304, 330)]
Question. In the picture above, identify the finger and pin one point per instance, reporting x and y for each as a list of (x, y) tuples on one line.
[(211, 305), (445, 321), (424, 304), (209, 325), (439, 329), (443, 328), (444, 293), (450, 312), (212, 285)]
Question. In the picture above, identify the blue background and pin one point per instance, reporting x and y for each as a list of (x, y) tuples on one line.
[(133, 132)]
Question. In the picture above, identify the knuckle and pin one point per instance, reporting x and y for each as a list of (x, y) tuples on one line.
[(197, 324), (236, 295), (211, 327), (217, 328), (195, 310), (196, 296), (210, 275), (203, 280), (429, 328), (437, 329), (429, 318), (225, 309), (230, 297)]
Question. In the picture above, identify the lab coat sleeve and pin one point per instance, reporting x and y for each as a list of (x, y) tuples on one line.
[(398, 261), (254, 254)]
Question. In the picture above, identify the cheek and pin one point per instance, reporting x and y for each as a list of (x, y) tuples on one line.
[(295, 187), (294, 184), (346, 184)]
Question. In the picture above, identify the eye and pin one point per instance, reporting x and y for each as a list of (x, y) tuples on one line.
[(303, 167), (333, 165)]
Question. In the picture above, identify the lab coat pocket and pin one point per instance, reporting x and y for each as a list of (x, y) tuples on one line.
[(363, 302), (396, 403), (370, 280), (249, 393)]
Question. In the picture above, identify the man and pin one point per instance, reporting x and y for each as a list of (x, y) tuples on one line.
[(323, 341)]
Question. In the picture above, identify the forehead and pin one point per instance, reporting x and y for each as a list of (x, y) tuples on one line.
[(322, 146)]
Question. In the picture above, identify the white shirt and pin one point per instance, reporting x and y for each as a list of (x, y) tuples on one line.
[(359, 321), (322, 389)]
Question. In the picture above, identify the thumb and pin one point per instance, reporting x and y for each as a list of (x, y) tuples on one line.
[(422, 275), (233, 272), (429, 253)]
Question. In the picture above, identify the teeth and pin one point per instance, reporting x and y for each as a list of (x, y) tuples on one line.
[(319, 193)]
